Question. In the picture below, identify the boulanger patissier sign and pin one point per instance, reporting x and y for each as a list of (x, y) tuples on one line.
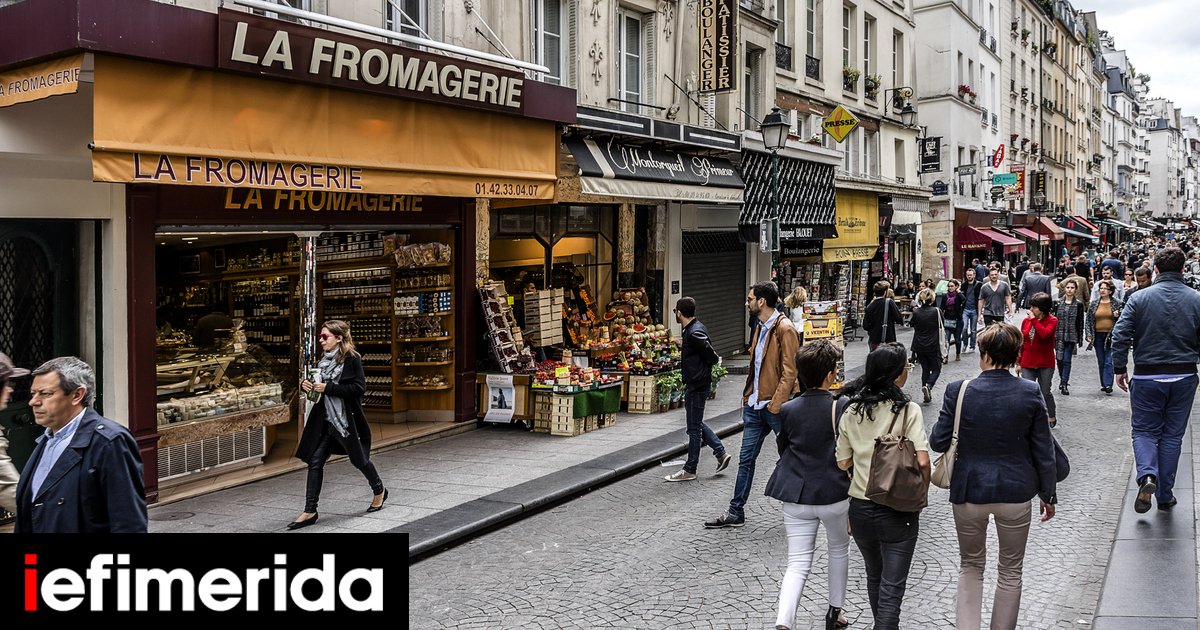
[(262, 46)]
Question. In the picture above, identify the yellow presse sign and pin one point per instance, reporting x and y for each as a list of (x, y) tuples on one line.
[(840, 123)]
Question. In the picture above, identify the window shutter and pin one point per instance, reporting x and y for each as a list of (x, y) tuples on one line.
[(649, 61), (710, 103), (572, 37)]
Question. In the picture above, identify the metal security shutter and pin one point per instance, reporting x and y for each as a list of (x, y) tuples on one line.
[(714, 273)]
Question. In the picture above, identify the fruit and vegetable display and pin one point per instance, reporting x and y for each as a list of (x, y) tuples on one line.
[(565, 377), (625, 325)]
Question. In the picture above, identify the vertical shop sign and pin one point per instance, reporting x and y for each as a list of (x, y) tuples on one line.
[(718, 45), (931, 155)]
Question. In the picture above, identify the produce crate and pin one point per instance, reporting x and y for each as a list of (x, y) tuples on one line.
[(541, 412), (566, 425), (607, 420), (641, 397), (591, 423)]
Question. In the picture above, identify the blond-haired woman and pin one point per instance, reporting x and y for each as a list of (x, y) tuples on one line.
[(795, 303), (336, 424)]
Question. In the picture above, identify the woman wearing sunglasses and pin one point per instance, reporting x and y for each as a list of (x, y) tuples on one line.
[(336, 424)]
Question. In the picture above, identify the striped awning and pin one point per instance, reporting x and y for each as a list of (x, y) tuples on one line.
[(805, 197)]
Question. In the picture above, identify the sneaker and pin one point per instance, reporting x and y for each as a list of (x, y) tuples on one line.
[(1146, 488), (1166, 507), (681, 475), (723, 461), (926, 393), (725, 520)]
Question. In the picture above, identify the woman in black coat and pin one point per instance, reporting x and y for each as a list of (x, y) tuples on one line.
[(927, 341), (336, 424), (952, 305)]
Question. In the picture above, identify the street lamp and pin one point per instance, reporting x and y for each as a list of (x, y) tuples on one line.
[(899, 102), (774, 131), (1039, 201)]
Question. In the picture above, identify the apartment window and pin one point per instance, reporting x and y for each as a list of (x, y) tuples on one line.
[(631, 59), (900, 163), (871, 154), (812, 27), (414, 9), (847, 17), (869, 45), (850, 158), (753, 90), (783, 13), (548, 38), (897, 58)]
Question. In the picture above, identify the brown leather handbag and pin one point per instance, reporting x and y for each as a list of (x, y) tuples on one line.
[(895, 479)]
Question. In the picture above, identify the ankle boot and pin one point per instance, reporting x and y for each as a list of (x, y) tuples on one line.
[(831, 618)]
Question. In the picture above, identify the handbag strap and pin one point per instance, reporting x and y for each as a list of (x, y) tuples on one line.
[(833, 415), (895, 416), (962, 392)]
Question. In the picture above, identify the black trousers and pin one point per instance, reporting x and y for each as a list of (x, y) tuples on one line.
[(887, 539), (931, 368), (316, 469)]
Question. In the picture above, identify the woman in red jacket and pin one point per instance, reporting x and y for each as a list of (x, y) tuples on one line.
[(1037, 351)]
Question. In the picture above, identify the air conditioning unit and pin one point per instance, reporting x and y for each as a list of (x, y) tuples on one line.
[(220, 450)]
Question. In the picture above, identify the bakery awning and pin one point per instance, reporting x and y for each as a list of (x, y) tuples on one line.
[(608, 166), (1056, 233), (806, 200), (1031, 235)]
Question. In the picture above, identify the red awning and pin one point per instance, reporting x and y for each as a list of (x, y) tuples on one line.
[(1030, 234), (1009, 243), (1056, 233), (1089, 224)]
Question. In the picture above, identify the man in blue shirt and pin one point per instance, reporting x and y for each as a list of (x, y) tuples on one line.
[(85, 475), (771, 382)]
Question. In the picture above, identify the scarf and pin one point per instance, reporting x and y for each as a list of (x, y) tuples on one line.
[(335, 407)]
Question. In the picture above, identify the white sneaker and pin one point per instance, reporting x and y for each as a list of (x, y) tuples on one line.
[(681, 475)]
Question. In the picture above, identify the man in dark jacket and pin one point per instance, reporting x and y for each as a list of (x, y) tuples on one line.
[(1033, 283), (85, 475), (880, 317), (1161, 322), (696, 360)]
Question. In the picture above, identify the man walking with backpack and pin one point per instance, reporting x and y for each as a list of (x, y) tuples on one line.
[(771, 382), (696, 360)]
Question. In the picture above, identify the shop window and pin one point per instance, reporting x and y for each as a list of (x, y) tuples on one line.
[(549, 34), (400, 16)]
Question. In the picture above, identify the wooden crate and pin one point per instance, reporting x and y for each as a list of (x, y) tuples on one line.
[(541, 425), (642, 397), (607, 420), (567, 426), (591, 423)]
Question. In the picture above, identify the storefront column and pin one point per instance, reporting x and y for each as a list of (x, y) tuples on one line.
[(307, 335), (143, 326), (466, 302), (625, 242), (483, 240)]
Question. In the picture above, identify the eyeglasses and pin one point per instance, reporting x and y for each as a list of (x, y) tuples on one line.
[(323, 336), (751, 298)]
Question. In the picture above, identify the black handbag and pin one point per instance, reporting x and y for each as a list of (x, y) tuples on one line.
[(1062, 465)]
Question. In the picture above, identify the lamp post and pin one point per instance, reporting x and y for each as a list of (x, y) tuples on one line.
[(774, 131), (1039, 200)]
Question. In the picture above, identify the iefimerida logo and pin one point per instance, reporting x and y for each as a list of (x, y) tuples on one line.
[(110, 584)]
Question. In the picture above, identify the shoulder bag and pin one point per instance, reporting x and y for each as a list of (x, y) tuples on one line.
[(943, 466), (895, 478)]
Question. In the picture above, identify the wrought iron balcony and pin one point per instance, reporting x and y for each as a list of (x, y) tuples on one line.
[(783, 57), (812, 68)]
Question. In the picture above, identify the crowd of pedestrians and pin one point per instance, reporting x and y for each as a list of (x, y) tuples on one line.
[(857, 462)]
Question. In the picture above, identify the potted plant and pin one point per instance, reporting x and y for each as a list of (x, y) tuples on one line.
[(718, 372), (814, 139), (850, 77), (1024, 34), (663, 393), (871, 85)]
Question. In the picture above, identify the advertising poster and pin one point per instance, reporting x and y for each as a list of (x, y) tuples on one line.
[(501, 398)]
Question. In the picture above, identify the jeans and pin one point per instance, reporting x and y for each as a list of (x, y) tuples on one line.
[(1103, 359), (1159, 419), (698, 433), (954, 337), (968, 323), (757, 425), (1012, 532), (1044, 378), (316, 470), (931, 369), (800, 522), (1064, 363), (886, 538)]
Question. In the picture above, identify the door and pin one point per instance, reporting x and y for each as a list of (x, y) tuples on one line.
[(38, 313), (714, 273)]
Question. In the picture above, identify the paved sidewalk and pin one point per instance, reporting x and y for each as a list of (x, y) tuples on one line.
[(444, 490)]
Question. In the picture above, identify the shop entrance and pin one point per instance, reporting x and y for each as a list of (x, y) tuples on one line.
[(714, 272), (38, 313)]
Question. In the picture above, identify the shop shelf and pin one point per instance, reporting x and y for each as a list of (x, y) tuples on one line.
[(442, 338), (377, 368), (422, 290), (424, 363), (423, 388), (439, 313)]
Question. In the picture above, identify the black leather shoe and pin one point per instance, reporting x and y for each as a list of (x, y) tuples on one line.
[(725, 520), (1166, 507), (305, 523), (376, 508), (1146, 489)]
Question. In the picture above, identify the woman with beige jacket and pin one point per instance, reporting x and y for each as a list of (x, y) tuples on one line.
[(8, 473)]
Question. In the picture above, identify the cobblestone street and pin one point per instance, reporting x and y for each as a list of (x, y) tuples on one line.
[(635, 555)]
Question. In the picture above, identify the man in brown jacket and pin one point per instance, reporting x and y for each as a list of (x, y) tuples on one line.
[(771, 382)]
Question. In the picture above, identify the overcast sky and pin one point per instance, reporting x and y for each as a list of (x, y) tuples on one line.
[(1162, 41)]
